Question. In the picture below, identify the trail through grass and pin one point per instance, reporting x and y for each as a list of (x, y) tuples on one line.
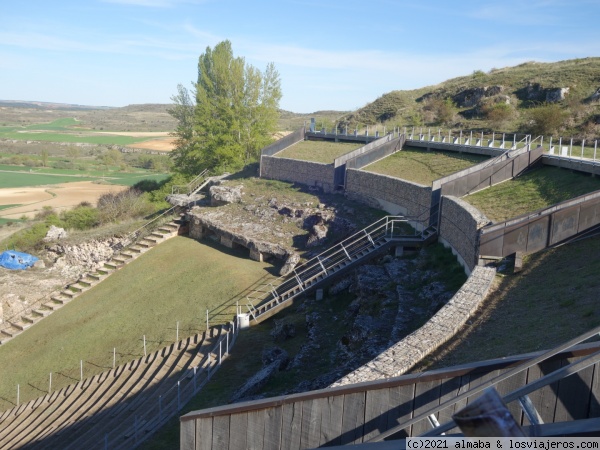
[(175, 282)]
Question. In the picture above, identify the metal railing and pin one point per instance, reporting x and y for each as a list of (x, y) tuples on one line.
[(192, 186), (518, 394), (351, 249)]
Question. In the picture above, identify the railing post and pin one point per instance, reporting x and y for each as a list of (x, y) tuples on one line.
[(582, 146), (195, 374), (595, 147), (178, 395)]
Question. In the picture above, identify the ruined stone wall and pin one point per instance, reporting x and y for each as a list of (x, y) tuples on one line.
[(303, 172), (399, 358), (459, 229), (394, 195)]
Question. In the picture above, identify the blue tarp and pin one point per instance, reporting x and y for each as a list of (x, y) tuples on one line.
[(16, 260)]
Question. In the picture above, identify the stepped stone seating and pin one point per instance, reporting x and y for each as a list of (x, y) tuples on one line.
[(121, 404), (60, 299)]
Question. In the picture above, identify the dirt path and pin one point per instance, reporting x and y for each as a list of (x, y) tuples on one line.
[(58, 196)]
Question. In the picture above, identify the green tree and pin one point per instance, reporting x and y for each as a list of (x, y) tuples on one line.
[(234, 116)]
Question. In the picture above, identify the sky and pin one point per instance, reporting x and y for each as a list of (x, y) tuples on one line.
[(330, 54)]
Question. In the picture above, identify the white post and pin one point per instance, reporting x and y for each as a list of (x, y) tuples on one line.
[(178, 396), (195, 368), (582, 144), (227, 343), (81, 369), (18, 394), (114, 357), (207, 320), (595, 147), (571, 148), (220, 352), (144, 345)]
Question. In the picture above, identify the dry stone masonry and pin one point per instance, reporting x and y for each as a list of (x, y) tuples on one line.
[(399, 358)]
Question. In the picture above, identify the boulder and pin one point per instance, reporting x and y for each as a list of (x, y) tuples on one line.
[(290, 264), (54, 234), (556, 95), (223, 195), (473, 97)]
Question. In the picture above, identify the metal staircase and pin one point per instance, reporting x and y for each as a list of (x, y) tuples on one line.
[(365, 244), (193, 186)]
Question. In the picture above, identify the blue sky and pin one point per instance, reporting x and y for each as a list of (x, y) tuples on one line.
[(330, 54)]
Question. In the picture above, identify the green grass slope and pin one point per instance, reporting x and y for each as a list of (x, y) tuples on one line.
[(524, 86), (175, 282)]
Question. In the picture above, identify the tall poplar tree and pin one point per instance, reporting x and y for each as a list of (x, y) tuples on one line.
[(235, 114)]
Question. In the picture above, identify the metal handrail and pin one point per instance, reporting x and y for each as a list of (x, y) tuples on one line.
[(328, 262), (191, 185), (520, 368)]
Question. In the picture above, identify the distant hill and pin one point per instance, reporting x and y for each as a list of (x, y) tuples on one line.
[(48, 105), (471, 102)]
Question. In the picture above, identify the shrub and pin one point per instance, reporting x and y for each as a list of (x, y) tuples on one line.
[(29, 239), (80, 218), (546, 119), (146, 185), (123, 205)]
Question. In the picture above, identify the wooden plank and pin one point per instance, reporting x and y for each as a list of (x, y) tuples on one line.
[(311, 424), (187, 437), (544, 399), (204, 431), (353, 418), (449, 389), (511, 384), (291, 426), (427, 396), (401, 407), (256, 430), (273, 428), (220, 433), (331, 420), (376, 406), (594, 409), (574, 394), (238, 431)]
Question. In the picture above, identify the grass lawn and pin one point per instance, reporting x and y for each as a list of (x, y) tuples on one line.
[(422, 166), (317, 151), (18, 176), (534, 190), (176, 281), (87, 137), (554, 299), (15, 179)]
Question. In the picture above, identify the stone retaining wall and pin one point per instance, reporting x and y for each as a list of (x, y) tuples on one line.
[(296, 171), (391, 194), (459, 229), (399, 358)]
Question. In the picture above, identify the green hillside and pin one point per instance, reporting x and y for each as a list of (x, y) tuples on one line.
[(505, 99)]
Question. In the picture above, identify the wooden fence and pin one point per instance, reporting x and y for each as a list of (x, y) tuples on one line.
[(357, 413)]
